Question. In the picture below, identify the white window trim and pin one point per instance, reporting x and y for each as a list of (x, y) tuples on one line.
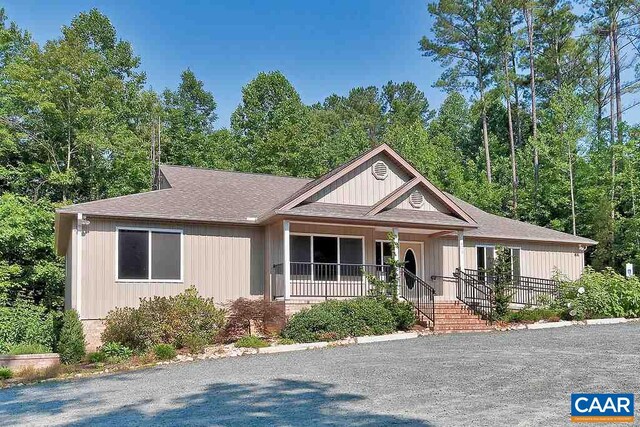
[(338, 237), (150, 230), (511, 248)]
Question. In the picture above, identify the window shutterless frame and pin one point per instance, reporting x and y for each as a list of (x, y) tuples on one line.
[(337, 237), (511, 249), (150, 230)]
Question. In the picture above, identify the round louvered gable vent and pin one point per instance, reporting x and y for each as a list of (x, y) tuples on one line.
[(380, 169), (416, 199)]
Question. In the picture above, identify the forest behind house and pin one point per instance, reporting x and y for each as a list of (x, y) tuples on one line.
[(532, 126)]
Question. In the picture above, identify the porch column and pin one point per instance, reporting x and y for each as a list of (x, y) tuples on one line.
[(461, 250), (286, 265), (396, 255)]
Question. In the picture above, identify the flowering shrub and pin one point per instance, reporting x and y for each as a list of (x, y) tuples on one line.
[(599, 295), (179, 320)]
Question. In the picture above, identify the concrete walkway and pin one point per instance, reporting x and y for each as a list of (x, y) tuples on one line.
[(510, 378)]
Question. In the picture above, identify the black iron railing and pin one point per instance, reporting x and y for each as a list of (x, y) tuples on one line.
[(419, 293), (476, 294), (522, 289), (326, 280)]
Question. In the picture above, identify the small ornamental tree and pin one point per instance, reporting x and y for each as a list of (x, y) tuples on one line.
[(383, 289), (71, 345), (503, 282)]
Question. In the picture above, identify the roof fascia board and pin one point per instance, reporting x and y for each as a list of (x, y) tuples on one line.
[(394, 195), (398, 159), (435, 190), (310, 192)]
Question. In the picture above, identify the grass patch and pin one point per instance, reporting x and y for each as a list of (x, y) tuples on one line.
[(251, 341), (532, 315), (164, 351), (31, 374), (5, 373)]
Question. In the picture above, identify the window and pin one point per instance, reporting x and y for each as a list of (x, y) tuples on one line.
[(486, 256), (383, 252), (325, 253), (146, 255)]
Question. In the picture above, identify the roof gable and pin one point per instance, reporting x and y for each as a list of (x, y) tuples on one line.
[(347, 184), (360, 186)]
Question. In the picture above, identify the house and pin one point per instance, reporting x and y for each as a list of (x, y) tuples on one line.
[(299, 241)]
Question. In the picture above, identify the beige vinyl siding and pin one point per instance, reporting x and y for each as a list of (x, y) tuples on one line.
[(536, 259), (430, 203), (222, 262), (360, 187)]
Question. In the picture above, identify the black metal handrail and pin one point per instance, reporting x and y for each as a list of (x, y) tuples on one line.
[(419, 294), (522, 289), (475, 294)]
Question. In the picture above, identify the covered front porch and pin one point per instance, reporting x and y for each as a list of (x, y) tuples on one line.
[(315, 261)]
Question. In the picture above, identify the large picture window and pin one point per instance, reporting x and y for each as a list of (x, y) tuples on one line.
[(149, 255), (329, 255)]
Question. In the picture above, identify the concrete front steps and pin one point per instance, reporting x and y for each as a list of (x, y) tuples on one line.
[(454, 316)]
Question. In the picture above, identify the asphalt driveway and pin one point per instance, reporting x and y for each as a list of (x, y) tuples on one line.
[(513, 378)]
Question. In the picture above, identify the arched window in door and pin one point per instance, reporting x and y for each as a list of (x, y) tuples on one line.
[(410, 266)]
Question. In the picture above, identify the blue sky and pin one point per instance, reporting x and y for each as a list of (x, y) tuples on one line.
[(322, 47)]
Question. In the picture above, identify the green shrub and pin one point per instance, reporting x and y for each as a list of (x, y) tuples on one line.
[(25, 322), (171, 320), (532, 315), (116, 352), (28, 348), (251, 341), (599, 295), (403, 313), (71, 345), (97, 357), (286, 341), (339, 319), (164, 351), (5, 373), (195, 343)]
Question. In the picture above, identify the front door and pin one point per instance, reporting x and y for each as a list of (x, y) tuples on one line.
[(411, 255)]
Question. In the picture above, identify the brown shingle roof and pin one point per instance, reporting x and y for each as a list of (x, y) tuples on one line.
[(497, 227), (234, 197), (200, 195)]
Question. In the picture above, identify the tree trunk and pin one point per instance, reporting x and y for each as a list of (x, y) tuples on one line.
[(573, 198), (612, 119), (485, 131), (528, 13), (514, 172), (485, 140), (616, 55), (514, 70)]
